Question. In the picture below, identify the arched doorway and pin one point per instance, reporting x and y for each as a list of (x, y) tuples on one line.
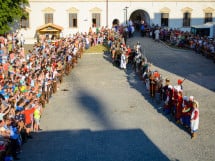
[(140, 16)]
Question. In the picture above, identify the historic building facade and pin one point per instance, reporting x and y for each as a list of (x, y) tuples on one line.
[(65, 17)]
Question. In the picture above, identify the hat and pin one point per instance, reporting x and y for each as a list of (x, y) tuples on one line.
[(180, 81)]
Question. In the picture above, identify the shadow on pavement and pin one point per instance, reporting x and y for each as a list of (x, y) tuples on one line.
[(92, 105), (87, 145)]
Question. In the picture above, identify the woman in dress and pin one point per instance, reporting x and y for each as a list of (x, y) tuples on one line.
[(194, 120)]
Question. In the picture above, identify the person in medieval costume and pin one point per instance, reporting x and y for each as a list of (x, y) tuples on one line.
[(123, 61), (168, 103), (138, 48), (187, 108), (165, 88), (178, 109), (152, 85), (180, 82), (157, 34), (194, 120), (177, 100), (176, 90)]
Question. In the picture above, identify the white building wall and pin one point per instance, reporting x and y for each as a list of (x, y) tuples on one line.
[(115, 11)]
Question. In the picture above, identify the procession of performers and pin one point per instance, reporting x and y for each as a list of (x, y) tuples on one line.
[(183, 109)]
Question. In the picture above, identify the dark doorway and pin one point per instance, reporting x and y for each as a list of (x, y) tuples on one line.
[(139, 17)]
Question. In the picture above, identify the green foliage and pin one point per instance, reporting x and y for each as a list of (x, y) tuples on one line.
[(11, 11)]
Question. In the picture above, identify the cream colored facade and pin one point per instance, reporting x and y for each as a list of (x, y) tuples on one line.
[(110, 10)]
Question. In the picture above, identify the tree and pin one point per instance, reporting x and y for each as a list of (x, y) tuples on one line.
[(11, 11)]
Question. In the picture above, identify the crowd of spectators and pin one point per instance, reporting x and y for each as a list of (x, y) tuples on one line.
[(28, 78), (27, 81), (186, 40)]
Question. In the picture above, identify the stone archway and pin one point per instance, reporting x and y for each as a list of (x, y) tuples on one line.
[(139, 16)]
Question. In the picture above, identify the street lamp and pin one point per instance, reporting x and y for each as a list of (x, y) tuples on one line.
[(126, 10), (106, 13)]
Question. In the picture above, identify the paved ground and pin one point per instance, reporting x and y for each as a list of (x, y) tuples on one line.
[(107, 114)]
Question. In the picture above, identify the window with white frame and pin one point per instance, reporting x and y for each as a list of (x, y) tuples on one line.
[(24, 23), (48, 18), (95, 19), (73, 20), (165, 19), (208, 17), (186, 19)]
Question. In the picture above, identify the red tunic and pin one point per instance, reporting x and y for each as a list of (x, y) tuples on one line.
[(179, 106)]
